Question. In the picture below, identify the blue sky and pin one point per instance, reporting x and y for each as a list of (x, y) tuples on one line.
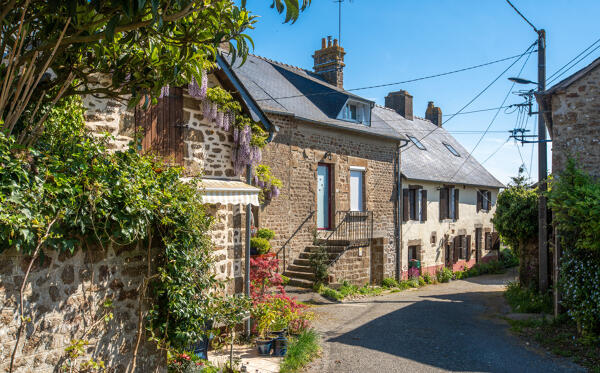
[(394, 40)]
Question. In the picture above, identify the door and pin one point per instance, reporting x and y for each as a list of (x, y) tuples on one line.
[(477, 245), (323, 196), (356, 190)]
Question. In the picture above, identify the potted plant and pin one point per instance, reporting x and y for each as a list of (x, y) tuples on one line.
[(264, 317), (259, 246), (280, 342)]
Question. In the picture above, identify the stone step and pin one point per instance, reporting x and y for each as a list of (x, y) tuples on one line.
[(299, 268), (302, 262), (301, 283), (306, 255), (297, 275), (329, 248)]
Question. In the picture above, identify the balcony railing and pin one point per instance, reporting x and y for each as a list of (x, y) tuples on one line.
[(352, 229)]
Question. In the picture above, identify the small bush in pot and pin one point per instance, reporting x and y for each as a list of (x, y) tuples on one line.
[(267, 234), (261, 245)]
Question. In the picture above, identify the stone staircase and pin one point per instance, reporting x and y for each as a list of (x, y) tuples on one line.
[(300, 272)]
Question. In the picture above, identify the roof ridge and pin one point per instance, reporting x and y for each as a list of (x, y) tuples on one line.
[(277, 62)]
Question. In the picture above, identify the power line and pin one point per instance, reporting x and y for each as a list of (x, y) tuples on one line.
[(480, 93), (493, 119), (575, 64), (522, 16), (573, 59), (401, 82)]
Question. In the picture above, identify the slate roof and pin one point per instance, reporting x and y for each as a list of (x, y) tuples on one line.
[(436, 163), (572, 78), (284, 89)]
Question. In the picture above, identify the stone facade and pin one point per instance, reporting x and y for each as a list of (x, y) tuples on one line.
[(431, 237), (62, 295), (294, 155), (575, 118)]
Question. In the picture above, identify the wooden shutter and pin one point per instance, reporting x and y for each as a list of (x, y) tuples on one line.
[(423, 205), (489, 201), (456, 203), (405, 205), (444, 203), (479, 201), (495, 241), (468, 247), (488, 241), (160, 126), (457, 248)]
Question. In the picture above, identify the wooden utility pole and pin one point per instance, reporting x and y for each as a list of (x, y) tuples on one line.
[(542, 169)]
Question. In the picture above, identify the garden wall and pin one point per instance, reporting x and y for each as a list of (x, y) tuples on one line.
[(63, 297)]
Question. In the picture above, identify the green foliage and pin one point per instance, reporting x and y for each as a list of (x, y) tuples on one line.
[(345, 290), (428, 278), (319, 262), (389, 282), (508, 258), (301, 351), (260, 244), (443, 275), (516, 216), (575, 201), (526, 300), (267, 234), (269, 184)]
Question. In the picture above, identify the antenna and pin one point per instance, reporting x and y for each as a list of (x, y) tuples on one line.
[(340, 19)]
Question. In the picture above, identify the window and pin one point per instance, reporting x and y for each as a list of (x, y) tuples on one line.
[(413, 253), (484, 200), (414, 206), (451, 149), (416, 142), (353, 112), (357, 181), (449, 203)]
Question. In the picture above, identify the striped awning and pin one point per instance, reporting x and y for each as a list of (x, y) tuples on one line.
[(229, 192)]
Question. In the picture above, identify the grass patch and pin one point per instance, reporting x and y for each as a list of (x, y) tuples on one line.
[(301, 351), (346, 290), (525, 300), (560, 337)]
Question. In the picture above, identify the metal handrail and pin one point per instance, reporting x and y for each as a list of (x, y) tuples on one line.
[(352, 228)]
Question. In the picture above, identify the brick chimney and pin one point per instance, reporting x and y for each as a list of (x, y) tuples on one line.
[(434, 114), (401, 102), (329, 62)]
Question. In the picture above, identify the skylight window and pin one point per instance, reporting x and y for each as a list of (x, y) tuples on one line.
[(451, 149), (416, 142)]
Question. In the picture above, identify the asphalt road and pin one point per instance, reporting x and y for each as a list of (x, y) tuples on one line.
[(446, 327)]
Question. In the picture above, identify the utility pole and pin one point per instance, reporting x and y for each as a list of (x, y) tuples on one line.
[(542, 169)]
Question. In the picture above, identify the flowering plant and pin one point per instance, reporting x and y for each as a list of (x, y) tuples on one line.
[(269, 184)]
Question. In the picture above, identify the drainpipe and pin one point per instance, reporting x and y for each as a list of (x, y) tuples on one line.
[(272, 133), (400, 212)]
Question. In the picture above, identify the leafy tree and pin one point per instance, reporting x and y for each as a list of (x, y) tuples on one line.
[(516, 220), (57, 48)]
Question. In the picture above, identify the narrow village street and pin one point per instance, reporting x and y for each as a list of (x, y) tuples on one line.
[(445, 327)]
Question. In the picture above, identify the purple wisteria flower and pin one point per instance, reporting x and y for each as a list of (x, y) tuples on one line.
[(203, 85), (274, 190), (164, 91)]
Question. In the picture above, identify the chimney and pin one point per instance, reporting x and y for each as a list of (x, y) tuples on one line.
[(329, 62), (434, 114), (401, 102)]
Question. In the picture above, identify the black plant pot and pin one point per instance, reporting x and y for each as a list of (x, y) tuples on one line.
[(264, 346), (280, 345), (200, 348)]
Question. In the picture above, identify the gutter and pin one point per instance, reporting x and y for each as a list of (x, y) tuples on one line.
[(400, 212)]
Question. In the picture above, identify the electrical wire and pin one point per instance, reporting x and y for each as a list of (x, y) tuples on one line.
[(522, 16), (575, 64), (573, 59), (493, 118), (518, 56)]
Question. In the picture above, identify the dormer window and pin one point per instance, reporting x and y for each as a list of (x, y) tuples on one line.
[(355, 111)]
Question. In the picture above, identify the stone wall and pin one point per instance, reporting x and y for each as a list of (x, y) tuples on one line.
[(62, 295), (353, 265), (429, 235), (576, 124), (293, 157)]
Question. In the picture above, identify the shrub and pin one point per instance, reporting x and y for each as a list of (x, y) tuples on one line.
[(389, 282), (261, 245), (443, 275), (508, 258), (302, 350), (267, 234), (428, 278), (319, 262), (527, 300), (575, 201), (422, 281)]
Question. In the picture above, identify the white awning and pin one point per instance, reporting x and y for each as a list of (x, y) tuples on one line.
[(229, 192)]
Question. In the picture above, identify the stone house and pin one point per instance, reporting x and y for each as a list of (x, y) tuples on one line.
[(571, 109), (64, 290), (448, 198), (339, 166)]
